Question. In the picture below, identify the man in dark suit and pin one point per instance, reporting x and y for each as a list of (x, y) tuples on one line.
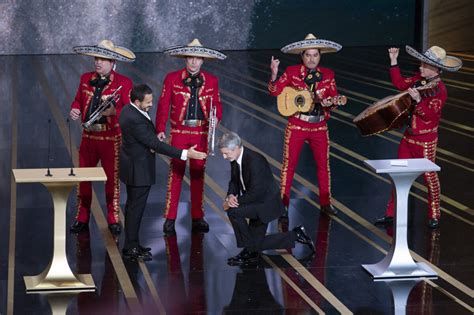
[(137, 164), (254, 195)]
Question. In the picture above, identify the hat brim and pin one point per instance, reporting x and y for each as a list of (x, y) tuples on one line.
[(449, 63), (324, 46), (119, 53), (202, 52)]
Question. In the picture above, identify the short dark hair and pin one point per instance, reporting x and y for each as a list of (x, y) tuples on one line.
[(139, 91)]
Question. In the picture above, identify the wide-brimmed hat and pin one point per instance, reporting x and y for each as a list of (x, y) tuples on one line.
[(311, 42), (436, 56), (194, 49), (106, 49)]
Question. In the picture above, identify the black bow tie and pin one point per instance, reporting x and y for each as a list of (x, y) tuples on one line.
[(312, 77), (99, 82), (195, 81)]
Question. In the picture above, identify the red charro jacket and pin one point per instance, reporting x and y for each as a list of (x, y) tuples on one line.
[(175, 96), (427, 114), (85, 92)]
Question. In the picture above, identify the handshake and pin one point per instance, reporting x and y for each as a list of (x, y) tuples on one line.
[(230, 202)]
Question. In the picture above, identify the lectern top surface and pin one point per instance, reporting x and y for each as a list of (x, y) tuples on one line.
[(38, 175), (411, 165)]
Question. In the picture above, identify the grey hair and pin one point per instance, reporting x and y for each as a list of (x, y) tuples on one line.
[(229, 140)]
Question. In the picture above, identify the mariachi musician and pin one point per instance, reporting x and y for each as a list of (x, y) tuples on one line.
[(101, 137), (421, 136), (311, 126), (187, 97)]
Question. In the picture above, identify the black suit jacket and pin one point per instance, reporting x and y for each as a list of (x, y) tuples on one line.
[(137, 162), (261, 190)]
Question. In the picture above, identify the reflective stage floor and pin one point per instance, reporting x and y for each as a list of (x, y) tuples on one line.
[(189, 273)]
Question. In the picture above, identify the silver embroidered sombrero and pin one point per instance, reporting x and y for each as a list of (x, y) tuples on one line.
[(194, 49), (106, 49), (311, 42), (436, 56)]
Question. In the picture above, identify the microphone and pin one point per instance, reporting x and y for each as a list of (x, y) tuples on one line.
[(71, 173), (48, 173)]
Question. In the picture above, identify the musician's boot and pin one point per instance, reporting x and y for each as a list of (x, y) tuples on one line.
[(168, 227), (200, 225), (78, 227)]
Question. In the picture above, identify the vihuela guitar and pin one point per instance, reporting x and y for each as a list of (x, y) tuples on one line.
[(292, 101)]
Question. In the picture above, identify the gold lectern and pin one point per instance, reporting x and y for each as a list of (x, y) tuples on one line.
[(58, 276)]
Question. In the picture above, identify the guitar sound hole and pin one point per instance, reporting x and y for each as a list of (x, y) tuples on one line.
[(299, 100)]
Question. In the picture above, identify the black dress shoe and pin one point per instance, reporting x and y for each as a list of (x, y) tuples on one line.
[(168, 227), (242, 253), (302, 237), (135, 253), (78, 227), (329, 209), (433, 223), (243, 258), (115, 228), (200, 225), (144, 249), (385, 220)]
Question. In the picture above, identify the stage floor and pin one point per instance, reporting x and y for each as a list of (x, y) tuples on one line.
[(189, 273)]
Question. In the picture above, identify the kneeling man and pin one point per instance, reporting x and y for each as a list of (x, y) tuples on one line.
[(254, 195)]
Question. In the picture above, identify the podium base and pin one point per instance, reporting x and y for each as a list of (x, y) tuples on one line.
[(81, 283), (416, 270)]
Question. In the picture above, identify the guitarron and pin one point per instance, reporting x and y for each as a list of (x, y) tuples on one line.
[(390, 112)]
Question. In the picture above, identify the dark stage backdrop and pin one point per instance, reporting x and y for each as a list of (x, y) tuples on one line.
[(54, 26)]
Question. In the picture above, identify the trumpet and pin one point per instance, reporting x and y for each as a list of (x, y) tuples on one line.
[(97, 114), (211, 135)]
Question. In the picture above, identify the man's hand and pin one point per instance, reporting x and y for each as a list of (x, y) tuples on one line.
[(274, 67), (109, 111), (232, 201), (196, 155), (75, 114), (326, 102), (393, 54), (161, 136), (414, 95)]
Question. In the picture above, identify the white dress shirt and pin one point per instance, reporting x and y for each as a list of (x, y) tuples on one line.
[(239, 161)]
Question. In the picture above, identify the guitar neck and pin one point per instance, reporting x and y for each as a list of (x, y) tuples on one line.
[(430, 85)]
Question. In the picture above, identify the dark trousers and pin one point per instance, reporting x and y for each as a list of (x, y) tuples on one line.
[(134, 207), (252, 236)]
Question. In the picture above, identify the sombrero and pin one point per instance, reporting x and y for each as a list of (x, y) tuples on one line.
[(436, 56), (106, 49), (311, 42), (194, 49)]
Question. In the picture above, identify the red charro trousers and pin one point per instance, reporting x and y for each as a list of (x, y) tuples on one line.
[(183, 138), (104, 147), (317, 136), (410, 148)]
